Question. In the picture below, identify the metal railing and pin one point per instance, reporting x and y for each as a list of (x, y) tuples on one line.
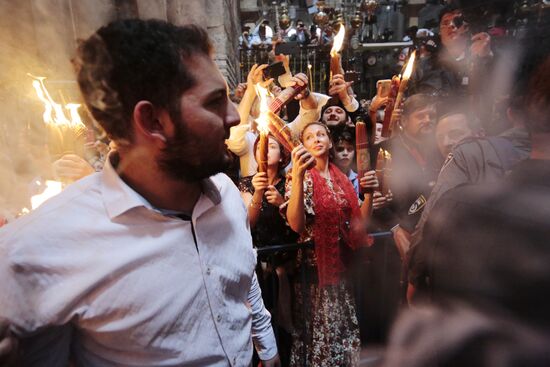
[(268, 256)]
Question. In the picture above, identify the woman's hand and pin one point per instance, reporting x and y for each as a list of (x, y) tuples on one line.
[(259, 181), (301, 160), (273, 196), (369, 180)]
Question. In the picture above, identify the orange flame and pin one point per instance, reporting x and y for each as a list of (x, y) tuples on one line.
[(52, 188), (338, 41), (410, 65), (263, 120), (53, 112)]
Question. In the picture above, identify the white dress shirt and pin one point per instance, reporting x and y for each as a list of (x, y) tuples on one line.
[(98, 271)]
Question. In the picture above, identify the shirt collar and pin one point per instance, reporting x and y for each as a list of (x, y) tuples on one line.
[(352, 175), (119, 198)]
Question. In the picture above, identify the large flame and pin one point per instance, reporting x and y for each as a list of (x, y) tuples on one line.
[(410, 66), (53, 112), (52, 188), (338, 41), (262, 120)]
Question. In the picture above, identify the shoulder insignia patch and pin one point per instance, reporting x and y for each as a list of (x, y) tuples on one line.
[(417, 205), (448, 160)]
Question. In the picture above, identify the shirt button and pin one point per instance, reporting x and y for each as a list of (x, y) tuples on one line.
[(219, 318), (208, 271)]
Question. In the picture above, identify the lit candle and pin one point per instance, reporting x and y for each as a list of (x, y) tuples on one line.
[(335, 67), (402, 88), (362, 149)]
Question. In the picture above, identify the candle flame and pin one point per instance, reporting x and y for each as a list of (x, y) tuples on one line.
[(53, 112), (410, 66), (52, 188), (338, 41), (263, 120)]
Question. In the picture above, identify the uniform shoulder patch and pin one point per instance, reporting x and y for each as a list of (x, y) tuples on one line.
[(417, 205), (448, 160)]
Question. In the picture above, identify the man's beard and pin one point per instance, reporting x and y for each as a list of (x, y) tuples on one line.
[(185, 157)]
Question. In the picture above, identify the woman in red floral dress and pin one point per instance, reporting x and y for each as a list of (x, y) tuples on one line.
[(324, 209)]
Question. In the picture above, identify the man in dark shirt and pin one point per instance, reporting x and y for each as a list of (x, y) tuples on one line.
[(414, 167), (489, 245)]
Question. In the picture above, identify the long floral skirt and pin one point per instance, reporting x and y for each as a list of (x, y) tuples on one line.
[(326, 330)]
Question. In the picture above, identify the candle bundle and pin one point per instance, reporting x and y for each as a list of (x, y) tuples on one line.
[(362, 149), (262, 149), (388, 111), (402, 87), (335, 65), (280, 130), (285, 97), (383, 163)]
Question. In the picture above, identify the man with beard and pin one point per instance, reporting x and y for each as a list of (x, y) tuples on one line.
[(415, 165), (149, 262)]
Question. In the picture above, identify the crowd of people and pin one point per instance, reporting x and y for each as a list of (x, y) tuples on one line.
[(151, 261)]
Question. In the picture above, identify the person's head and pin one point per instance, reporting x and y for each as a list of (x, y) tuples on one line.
[(316, 139), (453, 29), (300, 24), (157, 93), (277, 156), (454, 124), (334, 115), (537, 99), (343, 149), (378, 133), (418, 117)]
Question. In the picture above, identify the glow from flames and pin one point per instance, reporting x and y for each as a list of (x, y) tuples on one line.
[(410, 66), (338, 41), (53, 112), (262, 120), (52, 188)]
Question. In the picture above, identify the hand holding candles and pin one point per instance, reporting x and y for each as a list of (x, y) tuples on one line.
[(362, 149), (402, 88)]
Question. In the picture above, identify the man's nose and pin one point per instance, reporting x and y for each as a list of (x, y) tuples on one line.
[(232, 117)]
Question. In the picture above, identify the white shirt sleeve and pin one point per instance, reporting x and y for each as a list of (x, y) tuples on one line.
[(308, 116), (262, 332), (353, 106), (237, 142)]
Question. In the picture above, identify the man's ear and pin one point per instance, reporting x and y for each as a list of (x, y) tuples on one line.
[(148, 122)]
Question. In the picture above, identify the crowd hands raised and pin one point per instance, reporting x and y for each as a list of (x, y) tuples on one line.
[(443, 141), (313, 196)]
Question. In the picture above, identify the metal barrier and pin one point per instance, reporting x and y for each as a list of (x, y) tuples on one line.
[(268, 254), (371, 62)]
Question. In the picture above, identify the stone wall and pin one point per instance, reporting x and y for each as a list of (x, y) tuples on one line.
[(46, 31)]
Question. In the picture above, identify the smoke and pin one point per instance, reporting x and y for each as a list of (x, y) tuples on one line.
[(37, 37)]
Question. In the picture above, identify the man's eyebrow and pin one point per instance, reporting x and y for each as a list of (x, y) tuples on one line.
[(217, 91)]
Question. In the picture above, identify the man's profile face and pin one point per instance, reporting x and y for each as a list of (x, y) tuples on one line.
[(419, 123), (451, 35), (196, 148), (450, 130), (334, 116)]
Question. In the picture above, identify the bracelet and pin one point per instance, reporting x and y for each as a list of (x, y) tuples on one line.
[(254, 204)]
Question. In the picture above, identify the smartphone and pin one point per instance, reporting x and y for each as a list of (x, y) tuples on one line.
[(383, 87), (287, 48), (274, 70), (351, 76)]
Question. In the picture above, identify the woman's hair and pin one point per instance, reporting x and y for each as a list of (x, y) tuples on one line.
[(285, 155)]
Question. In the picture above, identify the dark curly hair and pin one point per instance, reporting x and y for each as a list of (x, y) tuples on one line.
[(132, 60)]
